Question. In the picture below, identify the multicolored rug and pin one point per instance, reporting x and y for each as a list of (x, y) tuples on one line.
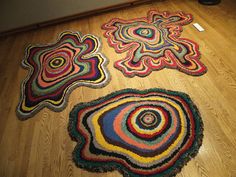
[(150, 133), (154, 43), (56, 69)]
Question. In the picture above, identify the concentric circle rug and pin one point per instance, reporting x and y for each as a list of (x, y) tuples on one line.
[(150, 133), (55, 69), (153, 43)]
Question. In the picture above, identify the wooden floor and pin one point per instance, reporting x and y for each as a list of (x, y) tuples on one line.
[(41, 146)]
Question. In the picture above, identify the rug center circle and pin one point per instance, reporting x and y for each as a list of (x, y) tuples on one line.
[(57, 62), (148, 119), (145, 32)]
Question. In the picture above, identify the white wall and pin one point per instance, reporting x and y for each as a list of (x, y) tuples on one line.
[(20, 13)]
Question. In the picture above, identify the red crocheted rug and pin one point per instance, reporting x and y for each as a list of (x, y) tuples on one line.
[(153, 43)]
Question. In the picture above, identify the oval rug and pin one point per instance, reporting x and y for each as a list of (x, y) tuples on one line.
[(152, 132)]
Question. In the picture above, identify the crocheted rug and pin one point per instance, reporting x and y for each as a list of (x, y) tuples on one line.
[(154, 43), (151, 133), (56, 69)]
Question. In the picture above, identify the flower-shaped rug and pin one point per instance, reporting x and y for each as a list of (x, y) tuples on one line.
[(154, 43), (151, 133), (55, 69)]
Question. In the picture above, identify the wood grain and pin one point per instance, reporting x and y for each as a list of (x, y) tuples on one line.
[(41, 146)]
